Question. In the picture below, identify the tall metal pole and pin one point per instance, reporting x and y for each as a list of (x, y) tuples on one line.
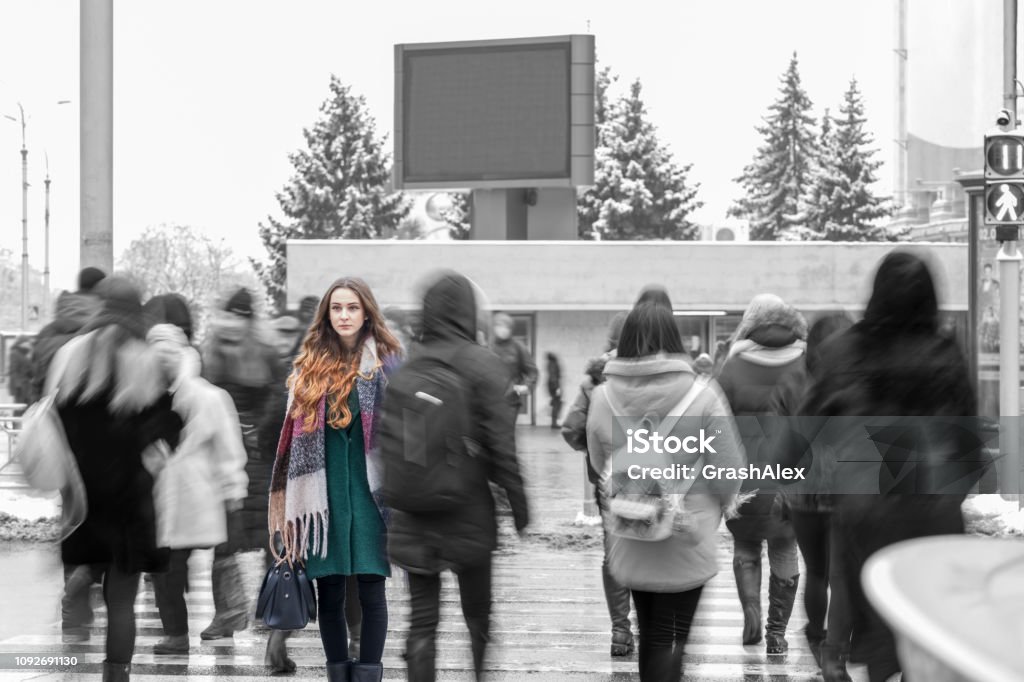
[(24, 223), (96, 73), (1009, 260), (900, 182), (46, 255)]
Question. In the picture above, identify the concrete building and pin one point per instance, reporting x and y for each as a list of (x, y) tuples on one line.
[(563, 295)]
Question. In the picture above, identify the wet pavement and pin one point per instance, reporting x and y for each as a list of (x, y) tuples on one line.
[(550, 620)]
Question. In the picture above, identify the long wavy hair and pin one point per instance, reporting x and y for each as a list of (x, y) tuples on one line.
[(323, 365)]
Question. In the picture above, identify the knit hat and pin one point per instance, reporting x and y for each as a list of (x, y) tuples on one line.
[(769, 309), (121, 306), (89, 277), (240, 303)]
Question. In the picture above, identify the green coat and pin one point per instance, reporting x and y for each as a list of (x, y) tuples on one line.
[(356, 534)]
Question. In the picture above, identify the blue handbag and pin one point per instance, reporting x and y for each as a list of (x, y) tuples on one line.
[(287, 600)]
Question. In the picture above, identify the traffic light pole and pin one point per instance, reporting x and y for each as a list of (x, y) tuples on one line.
[(1009, 259)]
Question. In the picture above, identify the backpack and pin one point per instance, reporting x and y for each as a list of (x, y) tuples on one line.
[(430, 461), (653, 514)]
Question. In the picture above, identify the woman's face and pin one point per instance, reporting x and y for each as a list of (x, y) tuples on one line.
[(347, 316)]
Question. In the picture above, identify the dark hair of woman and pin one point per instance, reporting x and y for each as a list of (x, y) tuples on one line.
[(903, 297), (655, 294), (649, 329)]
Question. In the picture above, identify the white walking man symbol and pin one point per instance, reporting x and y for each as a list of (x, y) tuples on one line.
[(1006, 203)]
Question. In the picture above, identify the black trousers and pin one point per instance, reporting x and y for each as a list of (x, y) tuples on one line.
[(169, 592), (331, 590), (119, 591), (664, 621), (425, 601)]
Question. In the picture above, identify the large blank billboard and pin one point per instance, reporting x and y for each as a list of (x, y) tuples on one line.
[(503, 113)]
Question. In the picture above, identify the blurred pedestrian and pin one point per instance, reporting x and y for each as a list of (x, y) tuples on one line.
[(114, 403), (73, 311), (198, 482), (810, 504), (399, 324), (768, 345), (326, 475), (237, 359), (651, 376), (19, 377), (170, 309), (554, 372), (286, 330), (463, 540), (574, 431), (894, 362), (519, 364)]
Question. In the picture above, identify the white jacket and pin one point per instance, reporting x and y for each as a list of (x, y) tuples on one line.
[(206, 470)]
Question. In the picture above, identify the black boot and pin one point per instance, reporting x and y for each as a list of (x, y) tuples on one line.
[(367, 672), (617, 598), (815, 638), (420, 660), (229, 600), (115, 672), (781, 595), (277, 653), (833, 666), (748, 585), (339, 672)]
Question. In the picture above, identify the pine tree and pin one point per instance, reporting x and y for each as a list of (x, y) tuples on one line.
[(640, 192), (459, 216), (812, 215), (841, 205), (339, 189), (588, 204), (776, 181)]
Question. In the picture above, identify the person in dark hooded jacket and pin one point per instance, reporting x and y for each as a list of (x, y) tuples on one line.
[(463, 541), (894, 362), (74, 310), (768, 345)]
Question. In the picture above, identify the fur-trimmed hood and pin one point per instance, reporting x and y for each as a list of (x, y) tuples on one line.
[(768, 311)]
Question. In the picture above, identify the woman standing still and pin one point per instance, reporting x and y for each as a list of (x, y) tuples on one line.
[(323, 491)]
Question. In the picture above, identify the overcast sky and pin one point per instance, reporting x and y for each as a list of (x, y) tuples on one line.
[(211, 96)]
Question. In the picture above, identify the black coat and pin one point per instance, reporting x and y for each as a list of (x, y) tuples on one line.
[(430, 543), (120, 526), (872, 370)]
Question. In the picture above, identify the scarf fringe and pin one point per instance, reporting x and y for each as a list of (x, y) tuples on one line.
[(296, 535)]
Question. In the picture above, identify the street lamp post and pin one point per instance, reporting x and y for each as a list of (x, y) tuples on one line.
[(24, 218), (46, 256), (24, 222)]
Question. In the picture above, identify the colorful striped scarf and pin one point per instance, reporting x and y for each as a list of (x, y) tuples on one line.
[(298, 485)]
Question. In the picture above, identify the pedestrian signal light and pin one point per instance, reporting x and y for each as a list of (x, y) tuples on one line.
[(1004, 177)]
